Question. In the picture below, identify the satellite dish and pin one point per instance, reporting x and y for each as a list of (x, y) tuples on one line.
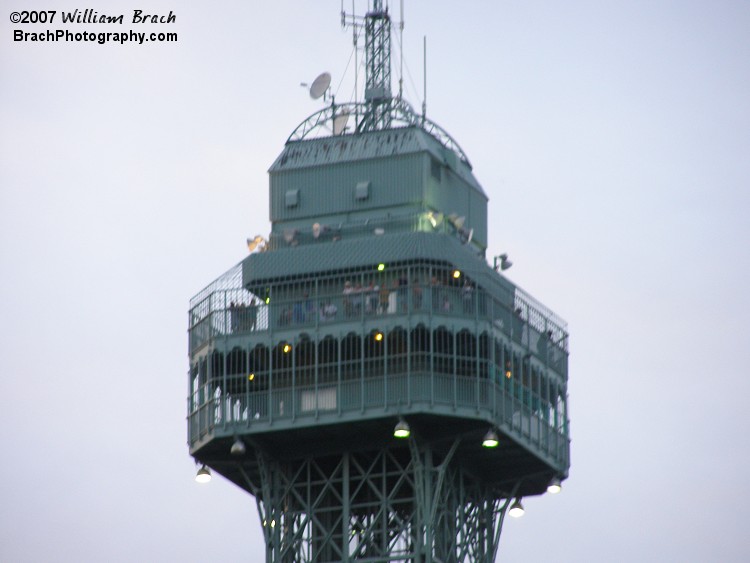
[(320, 85), (470, 236), (316, 230), (339, 123), (459, 222)]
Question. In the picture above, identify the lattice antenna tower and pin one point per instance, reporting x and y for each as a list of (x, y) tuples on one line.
[(378, 97)]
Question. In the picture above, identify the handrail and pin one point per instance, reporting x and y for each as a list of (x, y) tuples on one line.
[(402, 115)]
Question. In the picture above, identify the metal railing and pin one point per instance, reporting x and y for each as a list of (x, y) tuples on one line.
[(235, 311), (533, 421)]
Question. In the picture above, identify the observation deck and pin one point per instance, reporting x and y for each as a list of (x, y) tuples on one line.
[(428, 330)]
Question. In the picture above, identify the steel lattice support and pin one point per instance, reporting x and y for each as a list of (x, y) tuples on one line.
[(378, 60), (391, 504)]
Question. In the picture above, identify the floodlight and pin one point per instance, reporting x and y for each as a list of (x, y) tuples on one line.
[(554, 486), (516, 509), (203, 475), (490, 439), (402, 429), (238, 448), (503, 263)]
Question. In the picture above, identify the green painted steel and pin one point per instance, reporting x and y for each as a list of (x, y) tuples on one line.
[(408, 171), (371, 304)]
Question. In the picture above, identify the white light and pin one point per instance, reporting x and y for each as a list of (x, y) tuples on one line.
[(554, 486), (516, 509), (203, 475), (238, 448)]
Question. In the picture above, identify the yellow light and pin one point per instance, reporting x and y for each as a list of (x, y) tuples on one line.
[(456, 274), (251, 377), (268, 300), (287, 348), (508, 374), (381, 267), (378, 336)]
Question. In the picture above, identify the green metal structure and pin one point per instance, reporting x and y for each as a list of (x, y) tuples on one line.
[(372, 305)]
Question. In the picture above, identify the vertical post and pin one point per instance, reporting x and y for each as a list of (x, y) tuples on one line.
[(424, 69), (345, 508)]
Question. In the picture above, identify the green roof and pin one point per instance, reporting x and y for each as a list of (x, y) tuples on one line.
[(360, 252)]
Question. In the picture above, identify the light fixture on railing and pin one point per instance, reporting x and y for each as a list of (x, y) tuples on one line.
[(203, 475), (503, 263), (435, 219), (490, 439), (258, 243), (516, 509), (318, 230), (456, 221), (290, 236), (402, 429)]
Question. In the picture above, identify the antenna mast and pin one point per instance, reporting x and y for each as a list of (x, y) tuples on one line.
[(378, 68)]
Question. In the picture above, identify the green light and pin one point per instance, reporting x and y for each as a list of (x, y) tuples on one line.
[(490, 440), (402, 430), (381, 267)]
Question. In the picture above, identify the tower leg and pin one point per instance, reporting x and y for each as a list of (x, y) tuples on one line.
[(394, 504)]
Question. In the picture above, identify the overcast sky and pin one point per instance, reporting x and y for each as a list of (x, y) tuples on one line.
[(613, 139)]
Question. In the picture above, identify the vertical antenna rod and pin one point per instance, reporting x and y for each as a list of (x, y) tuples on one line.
[(424, 67), (356, 60), (401, 41)]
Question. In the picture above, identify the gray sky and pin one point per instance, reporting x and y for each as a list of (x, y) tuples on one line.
[(613, 139)]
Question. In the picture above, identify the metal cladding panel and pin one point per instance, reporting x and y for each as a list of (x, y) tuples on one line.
[(450, 193), (332, 189), (478, 217)]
